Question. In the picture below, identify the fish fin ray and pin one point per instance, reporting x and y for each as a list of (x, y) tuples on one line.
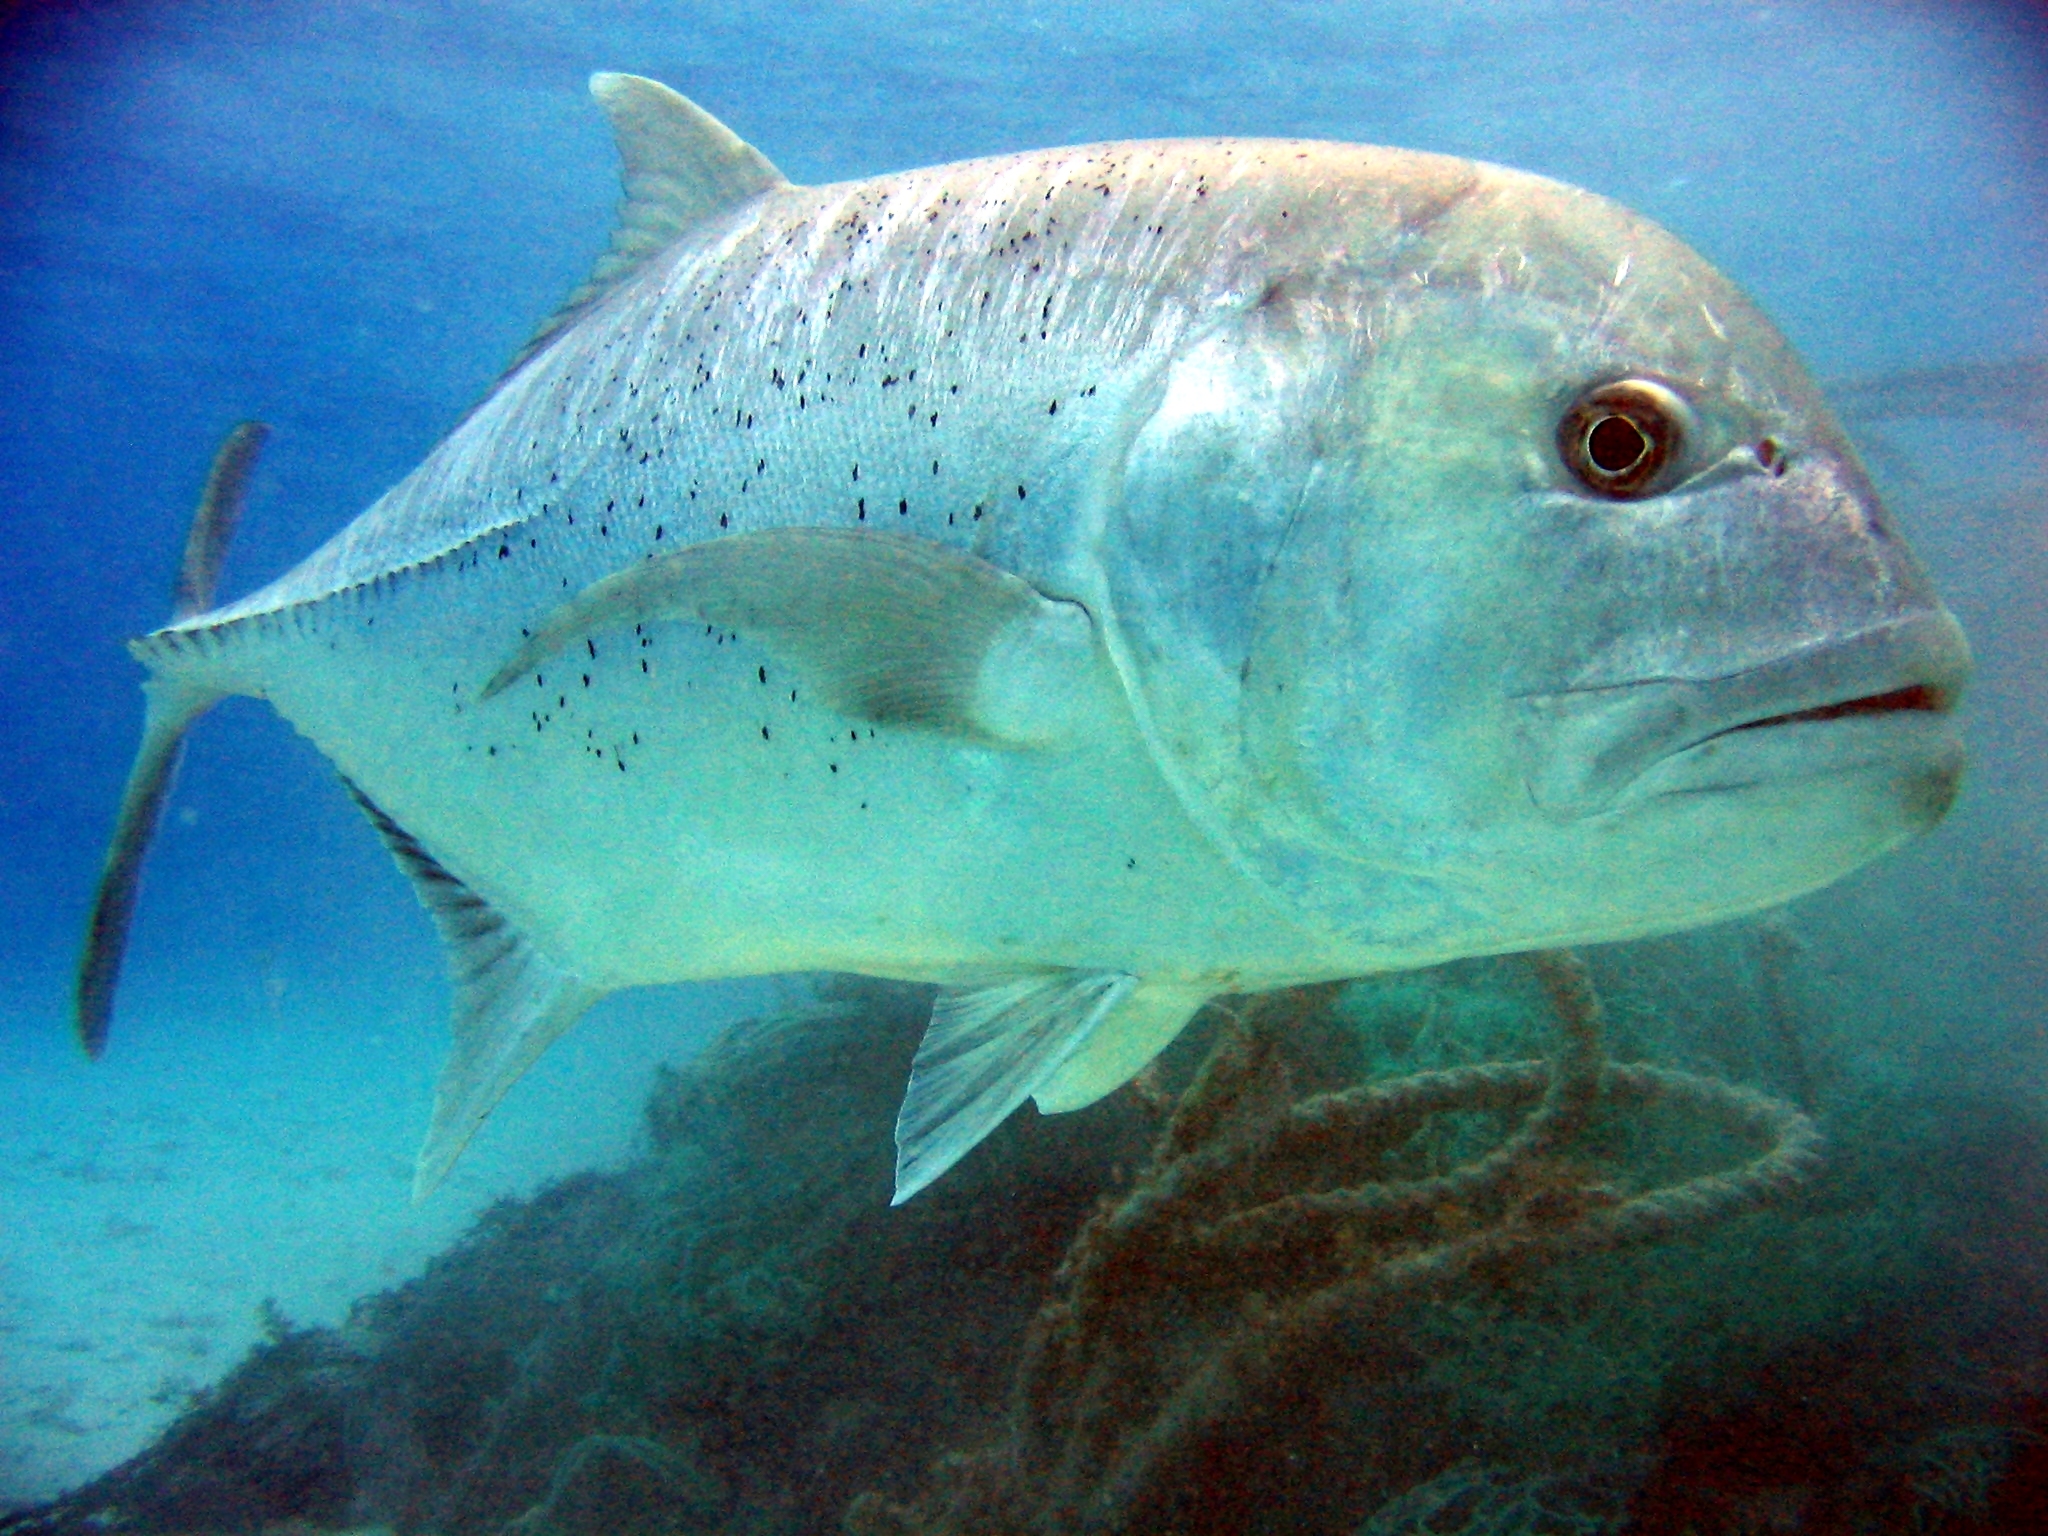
[(1120, 1047), (880, 627), (511, 1001), (680, 167), (986, 1049)]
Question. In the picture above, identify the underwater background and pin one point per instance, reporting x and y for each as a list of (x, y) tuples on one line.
[(344, 218)]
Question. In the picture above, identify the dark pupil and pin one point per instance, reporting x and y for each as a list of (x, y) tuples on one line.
[(1616, 445)]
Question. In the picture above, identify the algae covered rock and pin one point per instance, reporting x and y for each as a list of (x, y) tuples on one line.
[(736, 1335), (609, 1483)]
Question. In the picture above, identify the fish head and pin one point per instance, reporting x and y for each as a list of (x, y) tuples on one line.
[(1507, 582)]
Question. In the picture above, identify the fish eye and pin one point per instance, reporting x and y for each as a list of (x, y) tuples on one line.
[(1617, 438)]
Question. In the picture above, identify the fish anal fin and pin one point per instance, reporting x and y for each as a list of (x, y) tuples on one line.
[(878, 626), (511, 1001), (680, 167), (986, 1050), (1121, 1046)]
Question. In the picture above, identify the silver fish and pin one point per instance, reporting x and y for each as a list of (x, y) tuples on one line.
[(1093, 581)]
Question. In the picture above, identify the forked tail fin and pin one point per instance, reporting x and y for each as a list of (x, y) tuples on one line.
[(173, 706)]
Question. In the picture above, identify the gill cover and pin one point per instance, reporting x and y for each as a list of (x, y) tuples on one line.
[(1232, 446)]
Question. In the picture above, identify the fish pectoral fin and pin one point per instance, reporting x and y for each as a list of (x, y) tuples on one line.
[(681, 168), (511, 1001), (1120, 1047), (877, 626), (986, 1050)]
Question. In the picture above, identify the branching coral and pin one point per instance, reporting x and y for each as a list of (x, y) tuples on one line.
[(1250, 1258)]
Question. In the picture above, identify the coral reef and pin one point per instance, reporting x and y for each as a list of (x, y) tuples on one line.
[(735, 1333), (1354, 1261), (1472, 1499), (1239, 1269)]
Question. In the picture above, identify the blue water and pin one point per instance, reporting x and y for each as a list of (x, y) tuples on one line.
[(345, 218)]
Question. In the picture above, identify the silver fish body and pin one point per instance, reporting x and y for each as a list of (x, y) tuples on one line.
[(1096, 580)]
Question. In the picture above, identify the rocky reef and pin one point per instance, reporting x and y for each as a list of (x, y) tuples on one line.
[(1433, 1253)]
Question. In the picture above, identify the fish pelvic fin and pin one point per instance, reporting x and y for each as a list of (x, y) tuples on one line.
[(681, 168), (173, 703), (511, 1001), (985, 1051), (881, 627), (1122, 1045)]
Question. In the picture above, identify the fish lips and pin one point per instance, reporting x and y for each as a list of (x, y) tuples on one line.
[(1880, 700)]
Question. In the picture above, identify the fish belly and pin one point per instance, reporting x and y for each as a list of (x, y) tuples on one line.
[(665, 805)]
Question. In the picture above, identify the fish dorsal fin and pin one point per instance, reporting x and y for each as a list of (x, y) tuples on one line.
[(882, 627), (681, 167), (511, 1001), (985, 1051)]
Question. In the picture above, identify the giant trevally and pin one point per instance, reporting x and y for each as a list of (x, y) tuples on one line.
[(1092, 581)]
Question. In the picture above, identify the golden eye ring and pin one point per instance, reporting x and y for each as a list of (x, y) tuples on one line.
[(1618, 439)]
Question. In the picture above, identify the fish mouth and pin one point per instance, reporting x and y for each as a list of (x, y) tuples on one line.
[(1882, 700), (1926, 698)]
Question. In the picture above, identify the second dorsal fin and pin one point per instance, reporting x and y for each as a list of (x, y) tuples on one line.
[(680, 167)]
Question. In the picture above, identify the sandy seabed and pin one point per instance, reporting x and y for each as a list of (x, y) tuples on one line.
[(160, 1207)]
